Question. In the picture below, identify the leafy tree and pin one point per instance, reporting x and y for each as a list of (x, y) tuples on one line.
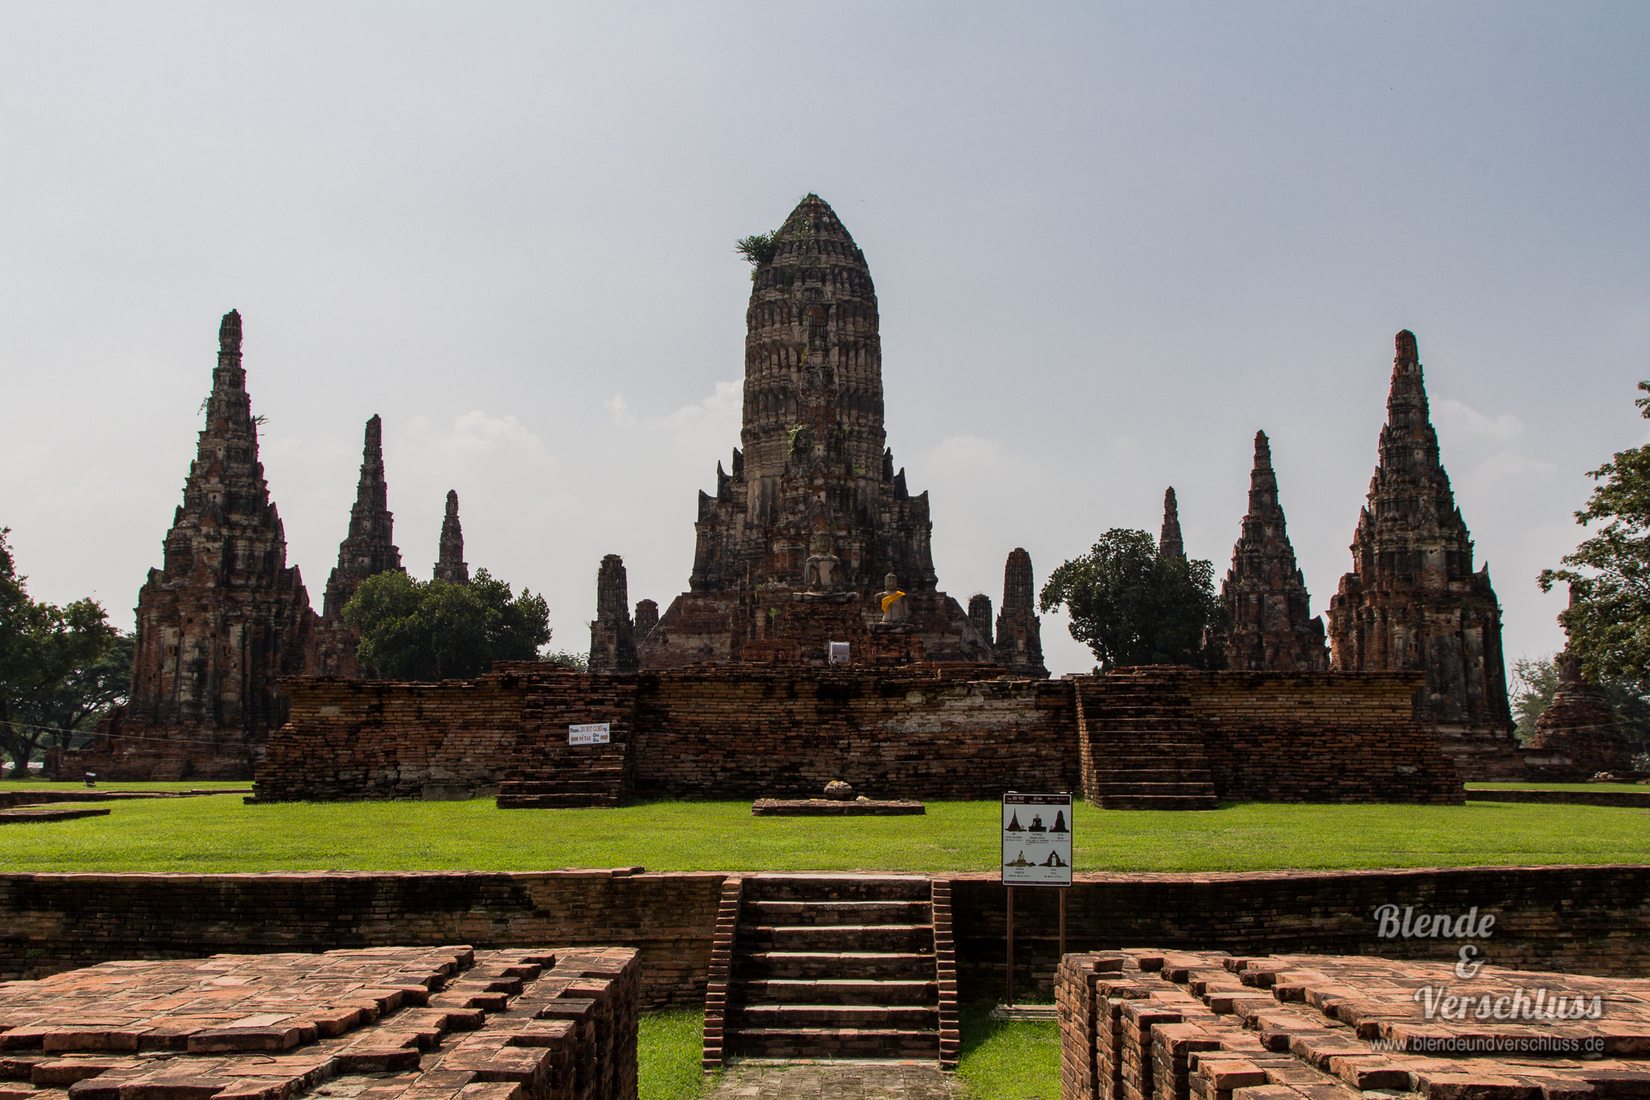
[(433, 630), (1132, 606), (1609, 572), (49, 658)]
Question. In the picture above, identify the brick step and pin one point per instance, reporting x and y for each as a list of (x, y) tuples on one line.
[(838, 1042), (555, 801), (1108, 773), (904, 911), (900, 1017), (1180, 786), (835, 991), (551, 786), (838, 937), (862, 965), (1159, 802), (816, 888)]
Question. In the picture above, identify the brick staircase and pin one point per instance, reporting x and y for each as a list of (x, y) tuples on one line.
[(1140, 748), (545, 772), (834, 967), (557, 775)]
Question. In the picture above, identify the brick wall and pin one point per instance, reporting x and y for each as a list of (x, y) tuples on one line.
[(704, 733), (53, 922), (1592, 920), (1318, 737), (1587, 919), (713, 733)]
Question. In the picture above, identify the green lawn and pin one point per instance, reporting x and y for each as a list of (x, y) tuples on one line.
[(1490, 785), (79, 785), (668, 1049), (1008, 1059), (222, 834)]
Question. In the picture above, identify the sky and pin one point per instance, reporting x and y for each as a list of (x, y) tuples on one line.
[(1110, 242)]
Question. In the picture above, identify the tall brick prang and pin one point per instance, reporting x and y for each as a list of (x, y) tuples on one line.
[(795, 546), (222, 618), (612, 634), (450, 565), (368, 550), (979, 613), (1272, 626), (1413, 600), (1019, 641), (1169, 542)]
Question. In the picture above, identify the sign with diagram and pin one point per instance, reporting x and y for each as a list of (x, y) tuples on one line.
[(1036, 839), (589, 733)]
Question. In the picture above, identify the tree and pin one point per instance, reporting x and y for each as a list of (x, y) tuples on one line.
[(1608, 619), (48, 655), (1133, 606), (433, 630)]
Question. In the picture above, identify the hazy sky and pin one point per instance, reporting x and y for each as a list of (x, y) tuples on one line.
[(1109, 243)]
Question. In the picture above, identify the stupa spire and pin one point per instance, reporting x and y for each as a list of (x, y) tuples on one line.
[(450, 565), (1169, 542)]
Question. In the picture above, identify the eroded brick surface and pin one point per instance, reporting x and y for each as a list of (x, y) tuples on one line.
[(376, 1023), (1183, 1025)]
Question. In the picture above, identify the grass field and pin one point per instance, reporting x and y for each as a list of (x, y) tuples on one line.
[(223, 834), (1490, 785)]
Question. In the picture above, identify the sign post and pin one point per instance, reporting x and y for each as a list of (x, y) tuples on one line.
[(1036, 852)]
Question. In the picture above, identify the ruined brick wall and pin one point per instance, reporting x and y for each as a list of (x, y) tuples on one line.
[(707, 733), (1590, 920), (350, 739), (1318, 737), (55, 922)]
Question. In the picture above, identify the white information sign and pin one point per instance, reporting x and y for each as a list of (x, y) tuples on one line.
[(1036, 839), (591, 733)]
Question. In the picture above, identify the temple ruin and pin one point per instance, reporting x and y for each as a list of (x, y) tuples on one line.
[(367, 550), (613, 632), (1019, 634), (1413, 600), (220, 621), (813, 530), (1578, 734), (1272, 625), (1169, 542), (450, 565)]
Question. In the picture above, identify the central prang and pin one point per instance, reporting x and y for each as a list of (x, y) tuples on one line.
[(796, 547)]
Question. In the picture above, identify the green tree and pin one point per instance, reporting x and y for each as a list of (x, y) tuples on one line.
[(48, 655), (1132, 606), (434, 630), (1608, 619)]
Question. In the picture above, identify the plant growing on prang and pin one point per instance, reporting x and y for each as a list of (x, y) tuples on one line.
[(758, 248)]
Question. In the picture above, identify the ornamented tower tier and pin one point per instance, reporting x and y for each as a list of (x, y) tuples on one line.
[(222, 618), (1272, 623), (368, 549), (1413, 600), (794, 548)]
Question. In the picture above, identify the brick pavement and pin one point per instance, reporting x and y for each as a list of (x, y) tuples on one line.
[(837, 1081)]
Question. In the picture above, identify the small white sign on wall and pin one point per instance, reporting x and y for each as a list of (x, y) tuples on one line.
[(590, 733)]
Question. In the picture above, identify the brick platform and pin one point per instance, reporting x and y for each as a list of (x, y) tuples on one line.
[(1153, 1025), (389, 1023), (50, 813)]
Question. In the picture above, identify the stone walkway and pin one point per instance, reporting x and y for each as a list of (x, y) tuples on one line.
[(836, 1081)]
